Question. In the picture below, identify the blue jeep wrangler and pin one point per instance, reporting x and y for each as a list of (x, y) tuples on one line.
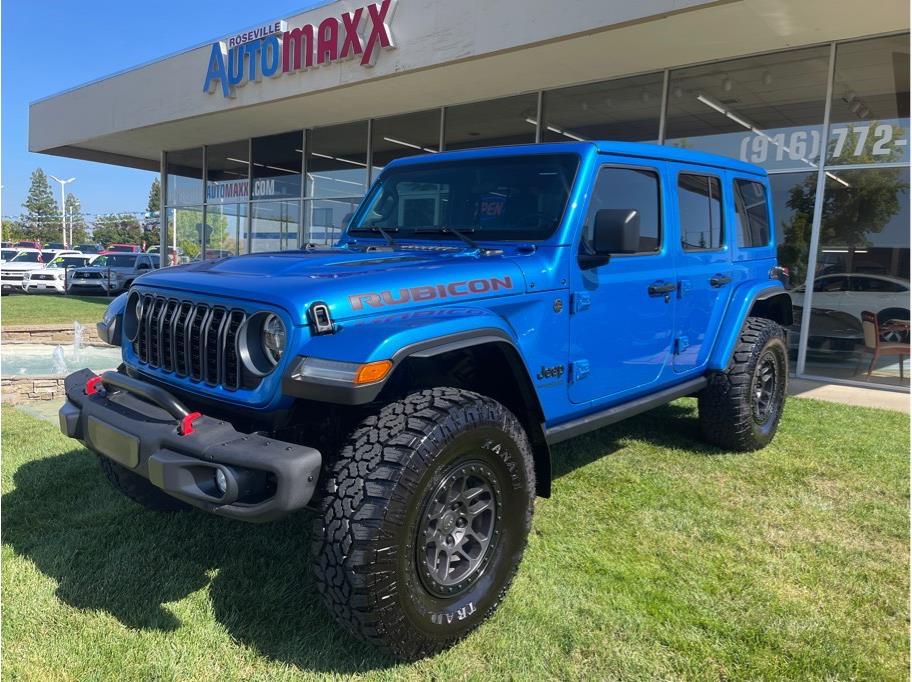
[(408, 383)]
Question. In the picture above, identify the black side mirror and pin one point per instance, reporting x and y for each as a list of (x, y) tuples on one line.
[(614, 230)]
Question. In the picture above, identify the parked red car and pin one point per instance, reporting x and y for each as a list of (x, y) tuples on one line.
[(122, 248)]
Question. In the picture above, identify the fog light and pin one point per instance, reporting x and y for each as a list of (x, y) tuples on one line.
[(221, 483)]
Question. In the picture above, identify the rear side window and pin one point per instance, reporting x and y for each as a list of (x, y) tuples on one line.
[(634, 191), (875, 284), (829, 285), (752, 211), (700, 212)]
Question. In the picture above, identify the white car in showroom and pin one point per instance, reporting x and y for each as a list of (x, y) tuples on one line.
[(52, 278), (12, 272), (852, 293)]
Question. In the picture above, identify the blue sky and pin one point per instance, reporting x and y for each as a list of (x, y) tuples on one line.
[(52, 45)]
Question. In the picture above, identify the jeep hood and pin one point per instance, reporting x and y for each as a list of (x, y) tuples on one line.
[(352, 283)]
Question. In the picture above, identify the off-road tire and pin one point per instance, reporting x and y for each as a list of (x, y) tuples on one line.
[(733, 415), (379, 497), (139, 489)]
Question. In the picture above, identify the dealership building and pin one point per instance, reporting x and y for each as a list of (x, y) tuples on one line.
[(266, 139)]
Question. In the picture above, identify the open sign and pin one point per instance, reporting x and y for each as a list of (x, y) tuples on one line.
[(491, 207)]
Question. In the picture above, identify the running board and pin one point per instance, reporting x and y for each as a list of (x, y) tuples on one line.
[(591, 422)]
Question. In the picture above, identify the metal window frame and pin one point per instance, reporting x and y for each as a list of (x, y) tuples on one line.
[(816, 220)]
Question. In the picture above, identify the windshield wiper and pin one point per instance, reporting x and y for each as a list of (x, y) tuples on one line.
[(444, 229), (384, 232)]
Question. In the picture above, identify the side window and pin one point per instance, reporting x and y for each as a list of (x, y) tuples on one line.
[(830, 284), (700, 210), (633, 191), (875, 284), (752, 211)]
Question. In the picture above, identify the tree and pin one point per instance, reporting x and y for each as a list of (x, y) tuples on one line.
[(122, 228), (12, 231), (41, 218), (151, 226), (76, 220), (154, 205)]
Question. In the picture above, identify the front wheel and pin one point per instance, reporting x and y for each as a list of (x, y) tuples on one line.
[(741, 407), (424, 520)]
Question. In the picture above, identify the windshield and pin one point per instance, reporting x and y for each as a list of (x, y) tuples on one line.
[(121, 247), (115, 261), (87, 248), (519, 198), (67, 262), (56, 245), (28, 257), (6, 254)]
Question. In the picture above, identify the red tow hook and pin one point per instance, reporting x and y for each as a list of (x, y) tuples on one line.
[(91, 387), (185, 428)]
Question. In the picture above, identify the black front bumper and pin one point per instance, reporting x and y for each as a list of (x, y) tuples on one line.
[(138, 426)]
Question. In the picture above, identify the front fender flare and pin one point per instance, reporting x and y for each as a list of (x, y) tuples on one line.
[(394, 338), (738, 309)]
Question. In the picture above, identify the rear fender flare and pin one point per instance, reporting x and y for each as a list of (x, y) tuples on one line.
[(739, 308)]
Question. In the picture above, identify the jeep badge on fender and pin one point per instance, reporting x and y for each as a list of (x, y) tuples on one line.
[(408, 382)]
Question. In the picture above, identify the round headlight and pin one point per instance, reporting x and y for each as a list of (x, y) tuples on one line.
[(273, 338)]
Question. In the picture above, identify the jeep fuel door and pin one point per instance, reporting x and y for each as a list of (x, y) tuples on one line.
[(622, 311)]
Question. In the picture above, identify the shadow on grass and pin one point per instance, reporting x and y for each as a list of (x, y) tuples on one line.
[(670, 426), (108, 554)]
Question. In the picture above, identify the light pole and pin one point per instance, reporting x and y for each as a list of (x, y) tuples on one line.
[(63, 206)]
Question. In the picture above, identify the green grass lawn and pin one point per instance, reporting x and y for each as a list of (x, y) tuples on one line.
[(51, 309), (657, 557)]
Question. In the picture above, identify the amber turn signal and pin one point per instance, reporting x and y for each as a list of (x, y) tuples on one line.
[(373, 371)]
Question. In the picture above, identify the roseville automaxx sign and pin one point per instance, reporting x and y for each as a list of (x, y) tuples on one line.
[(273, 49)]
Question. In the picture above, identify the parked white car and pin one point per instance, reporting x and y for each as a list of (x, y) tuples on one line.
[(9, 253), (853, 293), (13, 271), (52, 278)]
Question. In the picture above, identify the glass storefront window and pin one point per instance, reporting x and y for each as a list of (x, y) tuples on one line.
[(869, 118), (511, 120), (226, 228), (184, 177), (324, 220), (277, 166), (337, 160), (407, 135), (227, 168), (792, 198), (186, 223), (623, 109), (274, 225), (860, 301), (766, 110)]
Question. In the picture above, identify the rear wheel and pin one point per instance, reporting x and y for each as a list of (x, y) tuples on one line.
[(742, 406), (424, 520)]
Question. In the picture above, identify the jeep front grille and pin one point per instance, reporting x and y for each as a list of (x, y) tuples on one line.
[(193, 340)]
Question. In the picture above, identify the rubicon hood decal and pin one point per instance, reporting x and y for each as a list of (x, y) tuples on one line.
[(430, 292)]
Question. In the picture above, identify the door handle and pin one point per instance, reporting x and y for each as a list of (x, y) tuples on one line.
[(661, 288), (719, 280)]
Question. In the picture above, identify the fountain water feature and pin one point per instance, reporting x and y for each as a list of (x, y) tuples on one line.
[(33, 359), (77, 339), (58, 361)]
